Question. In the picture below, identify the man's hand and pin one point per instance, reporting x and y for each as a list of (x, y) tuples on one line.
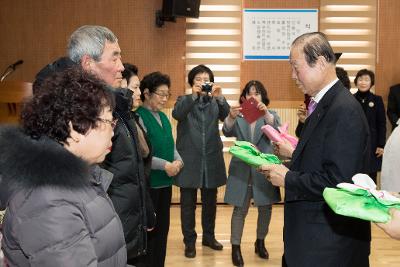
[(302, 113), (275, 173), (283, 148)]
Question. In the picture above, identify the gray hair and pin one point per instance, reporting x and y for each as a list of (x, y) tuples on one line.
[(315, 44), (89, 40)]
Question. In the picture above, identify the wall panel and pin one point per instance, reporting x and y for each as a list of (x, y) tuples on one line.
[(37, 32), (388, 52)]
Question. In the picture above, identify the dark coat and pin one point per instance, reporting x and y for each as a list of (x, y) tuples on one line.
[(333, 147), (393, 110), (128, 190), (58, 212), (375, 112), (264, 193), (199, 143)]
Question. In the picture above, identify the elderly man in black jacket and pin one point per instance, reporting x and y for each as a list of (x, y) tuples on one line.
[(334, 146), (96, 50), (128, 190)]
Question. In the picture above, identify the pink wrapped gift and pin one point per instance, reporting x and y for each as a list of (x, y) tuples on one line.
[(272, 134), (279, 136)]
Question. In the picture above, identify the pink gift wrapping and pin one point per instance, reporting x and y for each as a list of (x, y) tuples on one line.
[(279, 136), (284, 133), (272, 134)]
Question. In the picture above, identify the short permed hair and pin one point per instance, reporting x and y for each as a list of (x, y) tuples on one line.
[(89, 40), (152, 81), (70, 96), (259, 89), (199, 69), (130, 70), (315, 44), (363, 72)]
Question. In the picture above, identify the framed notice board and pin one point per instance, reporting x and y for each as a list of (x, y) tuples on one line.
[(268, 33)]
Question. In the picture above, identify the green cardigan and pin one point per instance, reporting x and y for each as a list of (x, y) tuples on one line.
[(162, 143)]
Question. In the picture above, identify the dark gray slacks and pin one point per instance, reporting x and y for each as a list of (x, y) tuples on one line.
[(188, 213)]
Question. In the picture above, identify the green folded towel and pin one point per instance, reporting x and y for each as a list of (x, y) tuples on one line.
[(247, 152), (361, 200)]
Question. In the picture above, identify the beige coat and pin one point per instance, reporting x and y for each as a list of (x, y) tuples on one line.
[(390, 176)]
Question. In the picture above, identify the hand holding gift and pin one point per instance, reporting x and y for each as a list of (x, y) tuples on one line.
[(392, 227)]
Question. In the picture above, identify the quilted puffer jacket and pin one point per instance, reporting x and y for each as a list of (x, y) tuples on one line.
[(58, 212)]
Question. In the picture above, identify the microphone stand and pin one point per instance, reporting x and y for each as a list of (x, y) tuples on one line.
[(7, 72)]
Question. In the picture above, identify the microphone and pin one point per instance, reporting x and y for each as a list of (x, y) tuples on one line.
[(10, 69), (19, 62)]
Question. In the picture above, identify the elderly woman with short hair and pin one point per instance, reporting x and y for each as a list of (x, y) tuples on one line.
[(58, 212), (374, 110)]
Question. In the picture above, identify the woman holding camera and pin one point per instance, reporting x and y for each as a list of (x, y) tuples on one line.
[(200, 146)]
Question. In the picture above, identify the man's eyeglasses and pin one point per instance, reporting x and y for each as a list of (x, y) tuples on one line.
[(167, 96), (112, 122)]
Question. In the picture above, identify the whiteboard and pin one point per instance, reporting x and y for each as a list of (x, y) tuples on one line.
[(268, 33)]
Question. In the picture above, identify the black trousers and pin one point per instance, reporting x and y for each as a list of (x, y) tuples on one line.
[(157, 239), (137, 261), (188, 209)]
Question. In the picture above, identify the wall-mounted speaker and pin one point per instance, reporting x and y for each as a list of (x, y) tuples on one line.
[(181, 8), (177, 8)]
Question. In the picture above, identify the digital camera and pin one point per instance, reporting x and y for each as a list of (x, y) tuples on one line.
[(207, 87)]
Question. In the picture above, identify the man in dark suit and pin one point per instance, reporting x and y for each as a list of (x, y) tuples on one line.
[(333, 147), (393, 110)]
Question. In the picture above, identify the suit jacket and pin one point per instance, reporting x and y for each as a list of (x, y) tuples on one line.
[(333, 147), (375, 112), (264, 193), (393, 110)]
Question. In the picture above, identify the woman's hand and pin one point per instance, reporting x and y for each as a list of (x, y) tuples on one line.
[(216, 90), (234, 111), (269, 117), (379, 152), (178, 164), (261, 106), (171, 169), (392, 227), (196, 90)]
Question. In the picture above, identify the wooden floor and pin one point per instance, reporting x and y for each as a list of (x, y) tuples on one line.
[(385, 252)]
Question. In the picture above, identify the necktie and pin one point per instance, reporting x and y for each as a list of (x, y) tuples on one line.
[(311, 107)]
